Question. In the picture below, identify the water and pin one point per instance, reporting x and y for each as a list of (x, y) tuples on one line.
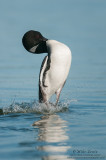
[(76, 128)]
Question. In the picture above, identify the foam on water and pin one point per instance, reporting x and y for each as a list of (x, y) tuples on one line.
[(35, 107)]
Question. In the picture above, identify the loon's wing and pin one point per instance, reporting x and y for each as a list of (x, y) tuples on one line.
[(42, 95)]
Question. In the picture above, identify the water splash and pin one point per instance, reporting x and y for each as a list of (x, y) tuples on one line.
[(35, 107)]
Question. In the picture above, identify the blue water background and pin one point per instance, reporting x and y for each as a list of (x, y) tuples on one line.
[(81, 125)]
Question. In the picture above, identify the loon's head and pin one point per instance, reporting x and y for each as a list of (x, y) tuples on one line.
[(34, 42)]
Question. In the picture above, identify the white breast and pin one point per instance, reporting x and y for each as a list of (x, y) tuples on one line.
[(60, 56)]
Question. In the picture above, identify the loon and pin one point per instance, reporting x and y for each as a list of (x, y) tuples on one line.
[(55, 66)]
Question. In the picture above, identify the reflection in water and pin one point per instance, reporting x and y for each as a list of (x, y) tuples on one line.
[(57, 157), (52, 129)]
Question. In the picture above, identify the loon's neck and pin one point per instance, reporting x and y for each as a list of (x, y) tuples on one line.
[(42, 48)]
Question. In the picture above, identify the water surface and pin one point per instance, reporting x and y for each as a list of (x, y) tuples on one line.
[(76, 128)]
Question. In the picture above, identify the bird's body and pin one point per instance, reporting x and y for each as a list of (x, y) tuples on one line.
[(55, 66)]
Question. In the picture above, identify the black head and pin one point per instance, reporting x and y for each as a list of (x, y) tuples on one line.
[(34, 42)]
